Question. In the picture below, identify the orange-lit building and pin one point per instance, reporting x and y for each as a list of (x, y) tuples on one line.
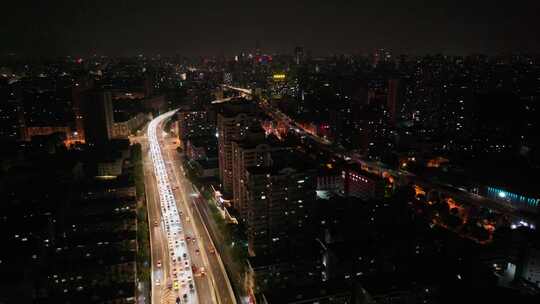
[(30, 132)]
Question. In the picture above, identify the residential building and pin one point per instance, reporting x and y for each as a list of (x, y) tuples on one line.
[(125, 128), (362, 184), (192, 124), (98, 116), (279, 199), (253, 151), (233, 121)]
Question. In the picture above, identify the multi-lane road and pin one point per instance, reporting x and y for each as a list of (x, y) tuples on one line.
[(172, 267), (191, 196), (185, 266)]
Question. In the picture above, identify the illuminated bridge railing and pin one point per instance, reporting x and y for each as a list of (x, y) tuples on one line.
[(517, 200)]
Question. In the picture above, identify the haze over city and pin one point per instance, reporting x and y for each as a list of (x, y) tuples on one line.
[(283, 152), (223, 27)]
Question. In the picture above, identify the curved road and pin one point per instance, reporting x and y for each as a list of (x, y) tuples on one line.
[(182, 254)]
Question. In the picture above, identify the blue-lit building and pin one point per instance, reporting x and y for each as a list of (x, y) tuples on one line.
[(518, 201)]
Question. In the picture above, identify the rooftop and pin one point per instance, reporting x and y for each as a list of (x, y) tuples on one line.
[(235, 107)]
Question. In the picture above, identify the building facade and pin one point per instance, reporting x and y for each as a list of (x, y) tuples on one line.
[(279, 199), (192, 124), (233, 121), (125, 128), (254, 151), (362, 184), (98, 117)]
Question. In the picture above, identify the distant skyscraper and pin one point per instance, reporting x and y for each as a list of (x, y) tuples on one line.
[(299, 54), (258, 48), (77, 93), (376, 136), (392, 99), (380, 56), (98, 116)]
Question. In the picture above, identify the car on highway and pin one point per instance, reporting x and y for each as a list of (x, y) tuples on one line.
[(197, 251), (159, 264), (175, 285), (157, 282)]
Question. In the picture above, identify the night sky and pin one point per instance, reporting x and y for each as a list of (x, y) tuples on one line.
[(195, 27)]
